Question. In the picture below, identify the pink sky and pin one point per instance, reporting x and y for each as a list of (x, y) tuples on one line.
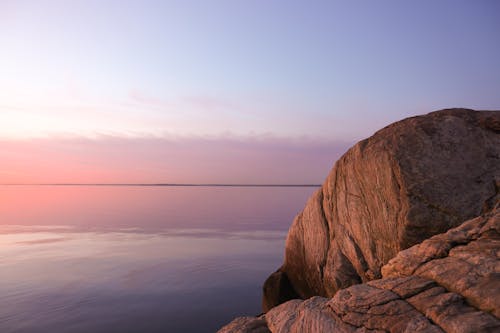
[(154, 160)]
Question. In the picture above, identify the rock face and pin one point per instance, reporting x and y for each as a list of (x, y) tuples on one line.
[(411, 180), (383, 246), (448, 283)]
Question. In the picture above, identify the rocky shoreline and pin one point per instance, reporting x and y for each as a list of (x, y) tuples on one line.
[(383, 246)]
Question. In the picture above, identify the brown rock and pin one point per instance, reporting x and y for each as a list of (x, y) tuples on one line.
[(246, 325), (414, 181), (411, 180), (464, 260), (277, 289), (419, 293), (452, 313), (297, 316)]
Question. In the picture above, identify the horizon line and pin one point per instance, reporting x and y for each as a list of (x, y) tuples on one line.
[(163, 184)]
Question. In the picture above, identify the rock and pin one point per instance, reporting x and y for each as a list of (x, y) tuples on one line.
[(357, 240), (411, 180), (278, 290), (246, 325), (426, 288), (464, 260), (312, 315)]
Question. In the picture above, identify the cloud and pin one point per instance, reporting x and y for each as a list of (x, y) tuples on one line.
[(43, 241), (204, 159)]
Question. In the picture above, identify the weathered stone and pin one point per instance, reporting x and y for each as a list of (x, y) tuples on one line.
[(407, 183), (311, 315), (433, 297), (246, 325), (404, 287), (277, 289), (451, 313), (376, 309), (413, 179), (464, 260)]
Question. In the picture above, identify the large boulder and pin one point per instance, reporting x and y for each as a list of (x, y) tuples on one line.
[(448, 283), (413, 179)]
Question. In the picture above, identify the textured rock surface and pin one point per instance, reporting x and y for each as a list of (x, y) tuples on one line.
[(277, 289), (464, 260), (411, 180), (246, 324), (448, 283)]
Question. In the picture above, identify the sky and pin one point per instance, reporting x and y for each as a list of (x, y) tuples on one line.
[(227, 91)]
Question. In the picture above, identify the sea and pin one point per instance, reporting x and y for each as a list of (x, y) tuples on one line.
[(122, 258)]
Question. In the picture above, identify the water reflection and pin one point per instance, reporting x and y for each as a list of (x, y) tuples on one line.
[(151, 208), (138, 259)]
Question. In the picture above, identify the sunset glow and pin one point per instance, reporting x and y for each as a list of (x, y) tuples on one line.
[(229, 70), (154, 160)]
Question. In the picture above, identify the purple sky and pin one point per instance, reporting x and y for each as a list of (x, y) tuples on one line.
[(216, 73)]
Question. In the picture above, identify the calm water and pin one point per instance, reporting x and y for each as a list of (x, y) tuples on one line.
[(138, 259)]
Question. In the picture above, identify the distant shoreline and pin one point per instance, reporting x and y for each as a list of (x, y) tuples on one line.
[(164, 185)]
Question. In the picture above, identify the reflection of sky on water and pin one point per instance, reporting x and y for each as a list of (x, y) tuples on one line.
[(135, 277), (152, 208), (52, 279)]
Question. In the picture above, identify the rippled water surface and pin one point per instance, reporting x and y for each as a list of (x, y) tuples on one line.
[(138, 259)]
